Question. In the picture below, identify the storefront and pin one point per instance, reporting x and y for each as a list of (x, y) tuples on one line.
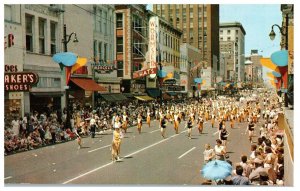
[(15, 83), (82, 89)]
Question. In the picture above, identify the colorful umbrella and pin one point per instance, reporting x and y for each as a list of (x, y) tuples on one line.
[(215, 170), (198, 80), (79, 63), (280, 58), (162, 73), (65, 58)]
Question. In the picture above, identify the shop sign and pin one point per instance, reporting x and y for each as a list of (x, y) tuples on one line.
[(102, 67), (174, 88), (153, 30), (20, 81), (169, 82), (143, 73)]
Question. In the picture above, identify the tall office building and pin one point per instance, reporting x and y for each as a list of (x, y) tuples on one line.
[(232, 38), (200, 26)]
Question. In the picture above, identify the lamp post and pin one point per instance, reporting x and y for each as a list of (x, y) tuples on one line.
[(283, 31), (65, 41)]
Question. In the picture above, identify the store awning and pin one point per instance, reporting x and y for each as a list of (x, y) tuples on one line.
[(144, 98), (88, 84), (128, 95), (113, 97), (47, 94), (153, 92), (108, 97), (172, 93), (119, 97)]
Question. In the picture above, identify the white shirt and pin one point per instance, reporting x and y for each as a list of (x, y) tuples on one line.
[(219, 149), (208, 154)]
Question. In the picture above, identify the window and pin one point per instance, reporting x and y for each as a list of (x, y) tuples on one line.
[(8, 12), (191, 23), (100, 21), (119, 44), (53, 37), (120, 69), (236, 31), (191, 14), (221, 31), (29, 33), (119, 20), (95, 48), (105, 22), (105, 52), (47, 82), (228, 38), (228, 31), (100, 50), (42, 23)]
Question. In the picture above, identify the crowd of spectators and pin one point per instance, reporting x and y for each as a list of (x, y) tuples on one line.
[(264, 165), (36, 130)]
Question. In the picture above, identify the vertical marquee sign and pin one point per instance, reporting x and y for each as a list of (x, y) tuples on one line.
[(153, 31)]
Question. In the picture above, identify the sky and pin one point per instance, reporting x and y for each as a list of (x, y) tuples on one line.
[(257, 20)]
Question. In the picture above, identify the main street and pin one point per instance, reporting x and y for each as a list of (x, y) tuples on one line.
[(146, 159)]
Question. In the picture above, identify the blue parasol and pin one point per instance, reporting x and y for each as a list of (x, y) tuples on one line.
[(280, 58), (65, 58), (198, 80), (215, 170)]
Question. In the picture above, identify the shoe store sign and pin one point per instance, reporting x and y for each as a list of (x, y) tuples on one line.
[(18, 81)]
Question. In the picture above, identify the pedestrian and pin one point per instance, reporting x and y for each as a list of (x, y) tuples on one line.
[(148, 118), (224, 135), (208, 153), (125, 122), (239, 179), (163, 125), (200, 124), (212, 121), (176, 122), (78, 139), (232, 121), (219, 150), (116, 142), (93, 126), (250, 129), (189, 126), (139, 123)]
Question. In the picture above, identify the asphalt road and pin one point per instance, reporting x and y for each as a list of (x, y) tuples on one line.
[(146, 159)]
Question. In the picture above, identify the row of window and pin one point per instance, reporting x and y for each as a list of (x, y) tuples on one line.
[(229, 31), (103, 51), (104, 21), (41, 47), (229, 38)]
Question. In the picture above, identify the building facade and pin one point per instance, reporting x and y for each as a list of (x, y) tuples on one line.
[(131, 45), (104, 48), (234, 34), (189, 59), (39, 32), (200, 25)]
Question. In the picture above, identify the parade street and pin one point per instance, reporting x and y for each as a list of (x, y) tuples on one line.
[(146, 158)]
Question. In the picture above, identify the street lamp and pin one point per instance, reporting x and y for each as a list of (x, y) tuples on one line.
[(65, 41), (283, 31)]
